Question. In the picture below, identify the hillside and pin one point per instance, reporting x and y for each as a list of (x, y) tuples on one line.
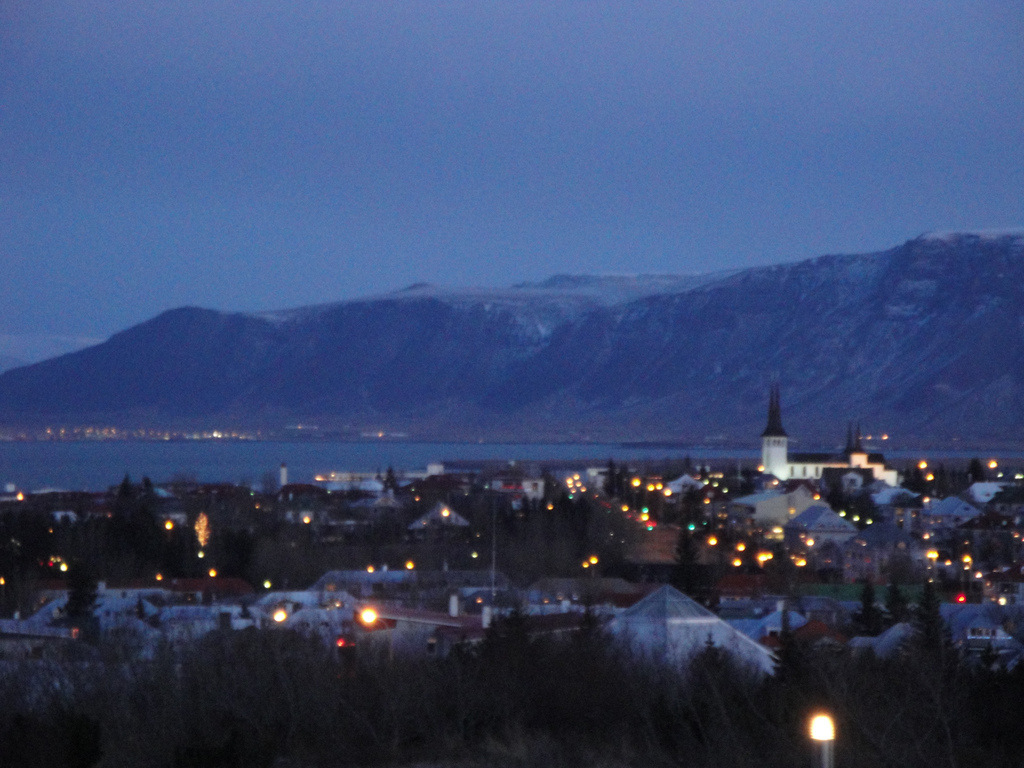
[(923, 341)]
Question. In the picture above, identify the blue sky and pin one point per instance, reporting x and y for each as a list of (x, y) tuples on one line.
[(257, 155)]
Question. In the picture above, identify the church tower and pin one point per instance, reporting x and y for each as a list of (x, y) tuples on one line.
[(774, 441)]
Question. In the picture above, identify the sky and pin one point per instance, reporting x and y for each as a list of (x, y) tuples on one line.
[(259, 154)]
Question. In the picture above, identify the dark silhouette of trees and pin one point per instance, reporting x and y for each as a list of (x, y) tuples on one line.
[(896, 603), (869, 617)]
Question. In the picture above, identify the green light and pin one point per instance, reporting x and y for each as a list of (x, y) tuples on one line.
[(691, 527)]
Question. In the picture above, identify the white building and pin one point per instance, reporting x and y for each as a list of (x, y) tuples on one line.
[(777, 460)]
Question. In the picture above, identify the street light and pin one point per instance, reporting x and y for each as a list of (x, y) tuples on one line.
[(823, 731)]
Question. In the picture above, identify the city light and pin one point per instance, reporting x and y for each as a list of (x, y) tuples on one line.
[(202, 529), (169, 525), (409, 565), (212, 572), (822, 728), (266, 584), (368, 616), (280, 615)]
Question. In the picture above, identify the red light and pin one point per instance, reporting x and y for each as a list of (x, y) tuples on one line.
[(961, 598), (341, 642)]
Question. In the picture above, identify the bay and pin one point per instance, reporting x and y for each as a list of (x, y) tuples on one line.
[(97, 465)]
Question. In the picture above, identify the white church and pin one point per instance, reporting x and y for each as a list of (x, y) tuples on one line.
[(778, 461)]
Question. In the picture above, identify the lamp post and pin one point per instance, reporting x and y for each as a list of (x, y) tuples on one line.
[(823, 731), (368, 617)]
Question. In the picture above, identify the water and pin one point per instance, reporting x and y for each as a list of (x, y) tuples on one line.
[(98, 465)]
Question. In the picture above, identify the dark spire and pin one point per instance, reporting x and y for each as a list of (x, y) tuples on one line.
[(849, 438), (856, 445), (774, 428)]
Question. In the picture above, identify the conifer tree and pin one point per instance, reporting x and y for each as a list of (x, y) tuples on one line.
[(895, 603)]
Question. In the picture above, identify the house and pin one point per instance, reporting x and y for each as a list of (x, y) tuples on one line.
[(1009, 501), (870, 551), (1005, 587), (983, 493), (669, 627), (769, 626), (947, 513), (886, 645), (771, 508), (439, 519), (898, 505), (976, 629), (683, 484), (816, 526)]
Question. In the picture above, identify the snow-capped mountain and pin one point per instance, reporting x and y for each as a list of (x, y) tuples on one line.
[(924, 341)]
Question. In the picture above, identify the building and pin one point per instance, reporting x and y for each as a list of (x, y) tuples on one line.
[(778, 461)]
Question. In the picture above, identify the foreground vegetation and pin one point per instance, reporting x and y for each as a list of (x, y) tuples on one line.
[(277, 699)]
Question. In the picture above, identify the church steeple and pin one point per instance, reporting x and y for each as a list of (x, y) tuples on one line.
[(774, 428), (774, 442)]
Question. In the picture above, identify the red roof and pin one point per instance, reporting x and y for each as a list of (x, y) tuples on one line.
[(740, 585)]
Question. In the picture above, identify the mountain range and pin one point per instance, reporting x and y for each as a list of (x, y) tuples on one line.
[(924, 342)]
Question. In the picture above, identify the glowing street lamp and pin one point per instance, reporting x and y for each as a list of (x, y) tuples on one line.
[(823, 731)]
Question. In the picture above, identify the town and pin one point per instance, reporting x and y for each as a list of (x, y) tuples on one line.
[(820, 557)]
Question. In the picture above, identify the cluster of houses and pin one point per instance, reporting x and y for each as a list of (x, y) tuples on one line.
[(415, 613), (878, 530)]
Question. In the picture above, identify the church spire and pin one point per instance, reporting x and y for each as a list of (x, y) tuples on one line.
[(856, 445), (774, 428)]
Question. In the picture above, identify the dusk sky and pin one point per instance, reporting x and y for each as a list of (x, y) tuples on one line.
[(260, 155)]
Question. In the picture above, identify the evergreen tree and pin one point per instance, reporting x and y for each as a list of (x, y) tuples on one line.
[(81, 592), (931, 629), (869, 617), (895, 603), (976, 471), (684, 575)]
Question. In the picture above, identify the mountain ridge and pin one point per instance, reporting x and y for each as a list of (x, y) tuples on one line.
[(922, 340)]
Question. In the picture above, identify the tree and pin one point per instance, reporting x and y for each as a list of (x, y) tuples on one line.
[(895, 603), (976, 471), (684, 575), (869, 617), (931, 629), (81, 592)]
